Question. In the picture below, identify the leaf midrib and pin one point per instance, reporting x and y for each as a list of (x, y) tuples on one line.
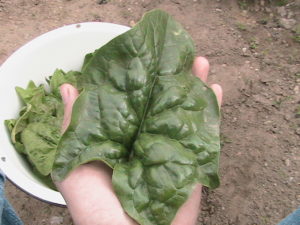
[(149, 97)]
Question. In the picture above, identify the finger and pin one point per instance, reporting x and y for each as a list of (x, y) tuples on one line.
[(201, 68), (188, 212), (69, 95), (218, 92)]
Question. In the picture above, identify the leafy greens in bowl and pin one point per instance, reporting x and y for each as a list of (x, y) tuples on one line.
[(141, 111)]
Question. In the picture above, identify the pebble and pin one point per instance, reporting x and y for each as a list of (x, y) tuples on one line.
[(268, 61), (290, 15), (287, 117), (281, 11), (268, 10), (245, 52), (287, 162), (287, 23), (268, 122), (132, 23), (298, 131), (56, 220), (296, 89)]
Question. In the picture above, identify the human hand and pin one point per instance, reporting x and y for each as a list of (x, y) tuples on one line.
[(88, 189)]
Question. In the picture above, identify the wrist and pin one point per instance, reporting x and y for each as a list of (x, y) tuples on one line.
[(90, 198)]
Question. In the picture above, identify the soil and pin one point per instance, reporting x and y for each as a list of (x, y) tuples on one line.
[(254, 55)]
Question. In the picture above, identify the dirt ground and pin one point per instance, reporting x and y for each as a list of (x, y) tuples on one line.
[(254, 52)]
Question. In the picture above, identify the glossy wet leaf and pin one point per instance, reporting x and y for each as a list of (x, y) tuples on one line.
[(145, 115)]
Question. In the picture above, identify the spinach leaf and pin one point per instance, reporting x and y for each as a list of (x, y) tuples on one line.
[(30, 92), (145, 115), (37, 131)]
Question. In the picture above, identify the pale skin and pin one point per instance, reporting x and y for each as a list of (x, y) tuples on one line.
[(88, 189)]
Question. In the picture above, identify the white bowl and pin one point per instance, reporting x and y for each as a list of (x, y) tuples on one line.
[(63, 48)]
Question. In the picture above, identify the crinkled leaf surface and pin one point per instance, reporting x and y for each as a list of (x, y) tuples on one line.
[(38, 129), (145, 115)]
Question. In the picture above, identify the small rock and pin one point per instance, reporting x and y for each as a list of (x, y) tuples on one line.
[(275, 130), (296, 89), (290, 15), (218, 10), (268, 10), (211, 210), (287, 162), (287, 23), (261, 99), (56, 220), (281, 11), (245, 52), (268, 61), (298, 131), (268, 122), (287, 117), (132, 23)]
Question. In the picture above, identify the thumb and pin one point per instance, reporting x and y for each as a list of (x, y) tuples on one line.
[(69, 95)]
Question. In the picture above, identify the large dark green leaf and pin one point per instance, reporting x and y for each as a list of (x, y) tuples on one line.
[(145, 115)]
